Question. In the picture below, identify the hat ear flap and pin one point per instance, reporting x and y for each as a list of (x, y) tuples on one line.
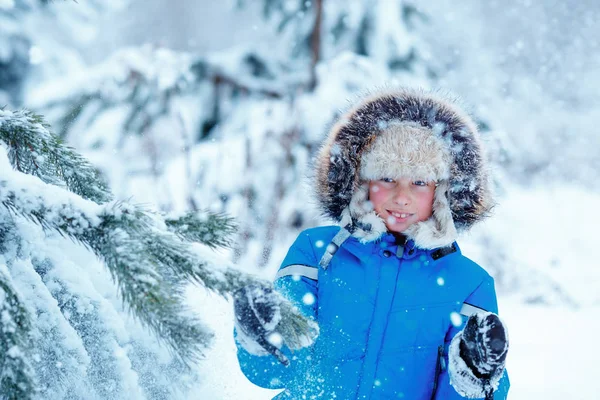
[(361, 216), (439, 229)]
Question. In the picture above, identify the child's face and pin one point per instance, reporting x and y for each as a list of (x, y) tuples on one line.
[(401, 202)]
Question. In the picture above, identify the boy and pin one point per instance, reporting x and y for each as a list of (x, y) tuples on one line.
[(402, 313)]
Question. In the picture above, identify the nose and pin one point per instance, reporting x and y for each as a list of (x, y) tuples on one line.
[(401, 196)]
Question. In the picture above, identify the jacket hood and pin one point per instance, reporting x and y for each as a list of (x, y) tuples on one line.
[(404, 132)]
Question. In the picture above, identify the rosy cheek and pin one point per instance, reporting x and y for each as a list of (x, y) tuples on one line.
[(376, 196)]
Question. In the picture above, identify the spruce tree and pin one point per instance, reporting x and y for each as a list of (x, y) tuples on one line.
[(56, 336)]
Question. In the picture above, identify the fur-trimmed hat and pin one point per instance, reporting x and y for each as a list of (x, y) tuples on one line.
[(404, 133)]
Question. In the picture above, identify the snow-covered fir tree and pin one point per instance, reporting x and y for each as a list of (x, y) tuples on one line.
[(66, 331)]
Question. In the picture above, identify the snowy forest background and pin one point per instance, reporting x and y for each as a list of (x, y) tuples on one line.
[(219, 106)]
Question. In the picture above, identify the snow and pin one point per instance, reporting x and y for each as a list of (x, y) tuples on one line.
[(540, 244), (54, 204), (456, 319), (81, 283), (221, 374), (308, 299), (36, 55), (553, 353), (275, 339), (59, 341)]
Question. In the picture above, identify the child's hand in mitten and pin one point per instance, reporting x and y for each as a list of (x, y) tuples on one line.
[(257, 314), (484, 344), (477, 355)]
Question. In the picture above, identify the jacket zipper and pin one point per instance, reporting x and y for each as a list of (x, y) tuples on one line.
[(439, 366)]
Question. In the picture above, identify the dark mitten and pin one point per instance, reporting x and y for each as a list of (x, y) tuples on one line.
[(477, 356), (257, 314), (484, 344)]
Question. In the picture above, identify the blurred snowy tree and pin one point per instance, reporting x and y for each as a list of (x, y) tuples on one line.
[(14, 52), (43, 38), (63, 333), (233, 130), (309, 31)]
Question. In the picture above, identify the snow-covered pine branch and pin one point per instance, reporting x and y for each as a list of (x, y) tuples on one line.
[(151, 258), (89, 316), (137, 250), (211, 229), (33, 150), (17, 380)]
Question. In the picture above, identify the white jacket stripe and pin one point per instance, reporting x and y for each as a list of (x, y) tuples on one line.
[(468, 309), (299, 270)]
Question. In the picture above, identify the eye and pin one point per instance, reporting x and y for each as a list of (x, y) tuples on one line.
[(387, 180), (420, 183)]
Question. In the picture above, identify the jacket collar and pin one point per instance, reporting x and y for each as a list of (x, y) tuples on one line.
[(405, 250)]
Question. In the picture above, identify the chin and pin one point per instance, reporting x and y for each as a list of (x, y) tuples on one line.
[(398, 228)]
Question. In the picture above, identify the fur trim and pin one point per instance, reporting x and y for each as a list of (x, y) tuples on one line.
[(410, 133), (462, 378), (367, 227), (406, 150), (360, 215)]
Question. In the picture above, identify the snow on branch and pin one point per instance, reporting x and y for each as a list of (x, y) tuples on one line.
[(119, 234), (16, 378), (211, 229), (34, 150)]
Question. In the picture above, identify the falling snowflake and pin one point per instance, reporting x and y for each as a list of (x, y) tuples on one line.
[(456, 319), (275, 339), (308, 299)]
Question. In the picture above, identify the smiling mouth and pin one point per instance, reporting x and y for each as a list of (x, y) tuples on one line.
[(399, 215)]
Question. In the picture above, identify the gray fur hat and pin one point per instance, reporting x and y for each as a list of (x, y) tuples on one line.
[(404, 133)]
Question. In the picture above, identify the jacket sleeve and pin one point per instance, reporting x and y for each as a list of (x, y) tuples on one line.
[(484, 297), (301, 290)]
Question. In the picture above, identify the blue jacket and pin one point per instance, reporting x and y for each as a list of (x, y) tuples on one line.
[(385, 316)]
